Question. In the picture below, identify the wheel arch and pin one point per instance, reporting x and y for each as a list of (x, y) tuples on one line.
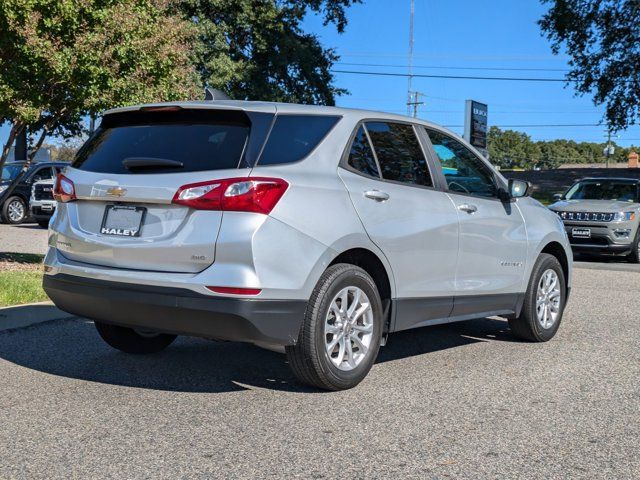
[(557, 250), (375, 267)]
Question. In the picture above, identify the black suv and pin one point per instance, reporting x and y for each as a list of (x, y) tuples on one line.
[(15, 205)]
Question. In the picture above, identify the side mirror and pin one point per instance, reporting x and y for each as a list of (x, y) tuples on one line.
[(519, 188), (557, 197)]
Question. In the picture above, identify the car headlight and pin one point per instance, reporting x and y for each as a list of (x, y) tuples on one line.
[(3, 188), (624, 216)]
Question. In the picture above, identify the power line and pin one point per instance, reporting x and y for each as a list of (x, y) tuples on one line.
[(441, 67), (455, 77), (538, 125)]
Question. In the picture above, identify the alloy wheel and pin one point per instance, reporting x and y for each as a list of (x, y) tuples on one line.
[(15, 211), (548, 299), (348, 328)]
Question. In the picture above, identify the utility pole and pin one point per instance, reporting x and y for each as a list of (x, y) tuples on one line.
[(414, 102), (410, 81), (609, 149)]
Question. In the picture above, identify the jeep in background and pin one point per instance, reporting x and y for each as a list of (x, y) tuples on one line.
[(601, 216), (42, 205), (14, 208)]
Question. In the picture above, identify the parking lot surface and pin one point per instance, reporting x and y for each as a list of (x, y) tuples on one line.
[(456, 401), (24, 238)]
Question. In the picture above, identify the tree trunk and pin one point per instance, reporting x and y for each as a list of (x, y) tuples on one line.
[(36, 147), (16, 129)]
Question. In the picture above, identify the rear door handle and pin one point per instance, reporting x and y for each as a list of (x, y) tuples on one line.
[(467, 207), (376, 195)]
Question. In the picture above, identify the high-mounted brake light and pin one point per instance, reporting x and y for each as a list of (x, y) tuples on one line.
[(64, 190), (162, 108), (258, 194)]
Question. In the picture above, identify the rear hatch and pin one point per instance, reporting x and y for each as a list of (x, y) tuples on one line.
[(126, 175)]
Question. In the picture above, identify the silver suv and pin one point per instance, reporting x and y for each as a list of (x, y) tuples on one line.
[(314, 230), (602, 215)]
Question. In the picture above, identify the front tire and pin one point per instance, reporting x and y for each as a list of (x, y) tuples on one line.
[(340, 336), (14, 211), (634, 256), (543, 303), (129, 340)]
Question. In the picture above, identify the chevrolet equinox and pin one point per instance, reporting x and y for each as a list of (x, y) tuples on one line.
[(312, 230)]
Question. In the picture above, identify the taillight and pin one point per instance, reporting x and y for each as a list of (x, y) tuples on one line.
[(64, 190), (258, 195)]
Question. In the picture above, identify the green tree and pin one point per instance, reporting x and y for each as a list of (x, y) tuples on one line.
[(257, 50), (61, 60), (511, 149), (603, 40)]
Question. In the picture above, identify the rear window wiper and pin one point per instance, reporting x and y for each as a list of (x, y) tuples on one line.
[(150, 162)]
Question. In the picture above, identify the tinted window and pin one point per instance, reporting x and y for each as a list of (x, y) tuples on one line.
[(603, 190), (399, 153), (9, 172), (293, 137), (200, 140), (42, 174), (361, 156), (463, 170)]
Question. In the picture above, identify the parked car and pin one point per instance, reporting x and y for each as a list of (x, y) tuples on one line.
[(313, 230), (42, 204), (601, 216), (15, 207)]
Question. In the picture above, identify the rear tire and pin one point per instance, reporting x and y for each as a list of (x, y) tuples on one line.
[(541, 314), (327, 322), (14, 211), (129, 341)]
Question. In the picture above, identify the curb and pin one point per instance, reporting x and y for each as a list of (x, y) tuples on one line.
[(21, 316)]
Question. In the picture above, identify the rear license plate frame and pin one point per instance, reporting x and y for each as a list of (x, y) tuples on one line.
[(123, 231)]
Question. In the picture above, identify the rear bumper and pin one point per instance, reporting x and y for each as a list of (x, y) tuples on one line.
[(178, 311)]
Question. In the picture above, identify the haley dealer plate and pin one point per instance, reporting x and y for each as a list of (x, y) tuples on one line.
[(122, 220), (581, 232)]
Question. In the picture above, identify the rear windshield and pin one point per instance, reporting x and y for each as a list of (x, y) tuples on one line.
[(293, 137), (166, 142), (603, 190)]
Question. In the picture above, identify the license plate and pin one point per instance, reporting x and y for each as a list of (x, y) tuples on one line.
[(581, 232), (48, 208), (122, 220)]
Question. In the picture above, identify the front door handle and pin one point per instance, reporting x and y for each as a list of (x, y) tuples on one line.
[(467, 207), (376, 195)]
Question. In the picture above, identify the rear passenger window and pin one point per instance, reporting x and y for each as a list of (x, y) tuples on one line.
[(361, 157), (399, 153), (293, 137)]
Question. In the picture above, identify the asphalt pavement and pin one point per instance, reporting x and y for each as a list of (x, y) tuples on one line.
[(457, 401), (24, 238)]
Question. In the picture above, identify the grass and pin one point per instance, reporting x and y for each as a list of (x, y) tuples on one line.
[(20, 279)]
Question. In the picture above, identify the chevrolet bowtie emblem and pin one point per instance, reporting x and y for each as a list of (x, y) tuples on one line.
[(116, 191)]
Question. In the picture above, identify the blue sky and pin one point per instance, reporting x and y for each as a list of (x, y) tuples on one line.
[(450, 37), (462, 34)]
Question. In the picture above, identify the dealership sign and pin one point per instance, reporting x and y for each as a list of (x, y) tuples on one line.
[(475, 125)]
